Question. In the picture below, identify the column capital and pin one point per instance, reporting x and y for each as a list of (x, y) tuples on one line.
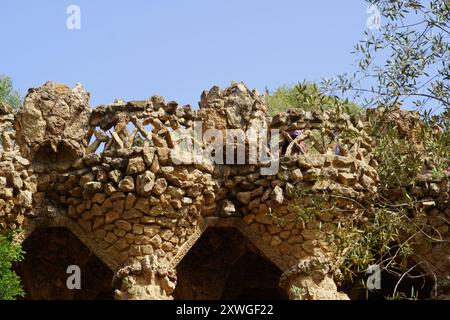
[(148, 279), (312, 279)]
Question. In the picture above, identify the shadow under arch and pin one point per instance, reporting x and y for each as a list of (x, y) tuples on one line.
[(61, 221), (224, 264), (49, 252), (215, 222)]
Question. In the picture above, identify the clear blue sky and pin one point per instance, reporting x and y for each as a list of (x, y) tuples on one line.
[(134, 49)]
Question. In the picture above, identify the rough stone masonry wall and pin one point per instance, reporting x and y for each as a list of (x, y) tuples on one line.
[(431, 196), (432, 245), (107, 175), (17, 181)]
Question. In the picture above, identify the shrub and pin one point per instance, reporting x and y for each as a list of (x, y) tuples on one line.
[(306, 96), (10, 252)]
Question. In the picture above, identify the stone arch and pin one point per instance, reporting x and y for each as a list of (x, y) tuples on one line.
[(222, 257), (49, 253), (60, 221), (245, 230)]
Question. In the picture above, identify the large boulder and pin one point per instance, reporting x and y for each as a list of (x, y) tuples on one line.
[(52, 124), (236, 107)]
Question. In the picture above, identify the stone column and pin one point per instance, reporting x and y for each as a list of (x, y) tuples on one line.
[(311, 279), (145, 280), (441, 289)]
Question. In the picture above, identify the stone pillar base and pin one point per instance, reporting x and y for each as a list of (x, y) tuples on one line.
[(308, 288), (311, 279), (146, 280)]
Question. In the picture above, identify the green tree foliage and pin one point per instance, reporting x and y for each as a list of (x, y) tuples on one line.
[(10, 252), (306, 96), (7, 92), (406, 61)]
